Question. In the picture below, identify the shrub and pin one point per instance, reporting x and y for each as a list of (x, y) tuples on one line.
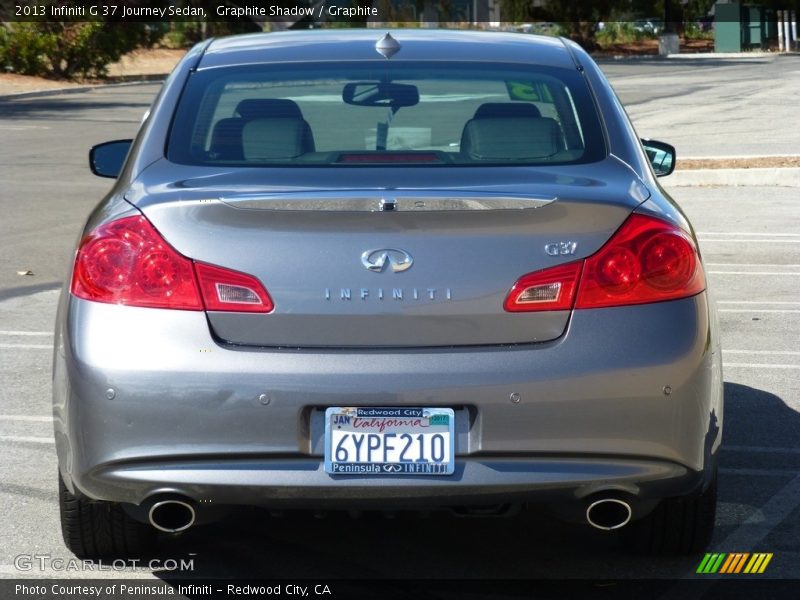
[(23, 48), (621, 32), (692, 31), (68, 50)]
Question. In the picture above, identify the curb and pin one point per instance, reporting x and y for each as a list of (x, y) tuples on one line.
[(725, 55), (699, 56), (767, 177), (143, 80)]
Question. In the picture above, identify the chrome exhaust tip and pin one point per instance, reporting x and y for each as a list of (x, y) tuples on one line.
[(171, 516), (608, 514)]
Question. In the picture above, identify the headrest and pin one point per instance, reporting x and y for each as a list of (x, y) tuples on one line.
[(260, 108), (265, 139), (510, 138), (507, 109)]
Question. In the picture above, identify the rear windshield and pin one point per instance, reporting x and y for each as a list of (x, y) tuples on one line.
[(393, 113)]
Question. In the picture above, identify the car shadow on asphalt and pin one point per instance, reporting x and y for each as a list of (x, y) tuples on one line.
[(758, 418), (760, 456)]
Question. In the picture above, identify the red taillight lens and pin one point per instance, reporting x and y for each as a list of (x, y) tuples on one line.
[(228, 290), (550, 289), (128, 262), (646, 260)]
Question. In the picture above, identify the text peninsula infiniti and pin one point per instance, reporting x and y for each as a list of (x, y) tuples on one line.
[(353, 270)]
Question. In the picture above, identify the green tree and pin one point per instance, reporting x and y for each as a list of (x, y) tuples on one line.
[(577, 19)]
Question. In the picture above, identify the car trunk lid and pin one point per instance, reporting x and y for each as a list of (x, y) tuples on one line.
[(433, 269)]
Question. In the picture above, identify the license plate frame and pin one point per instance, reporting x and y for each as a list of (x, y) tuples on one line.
[(404, 423)]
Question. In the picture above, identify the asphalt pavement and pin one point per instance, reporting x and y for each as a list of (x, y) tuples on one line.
[(750, 239), (713, 106)]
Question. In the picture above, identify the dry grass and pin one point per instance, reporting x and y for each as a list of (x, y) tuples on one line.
[(759, 162)]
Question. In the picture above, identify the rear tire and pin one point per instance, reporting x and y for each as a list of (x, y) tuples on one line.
[(93, 529), (677, 526)]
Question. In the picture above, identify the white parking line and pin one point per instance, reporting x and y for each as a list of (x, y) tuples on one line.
[(750, 240), (752, 273), (23, 438), (778, 352), (739, 156), (37, 333), (775, 265), (758, 302), (749, 233), (34, 418), (767, 518), (39, 346), (758, 365), (757, 310)]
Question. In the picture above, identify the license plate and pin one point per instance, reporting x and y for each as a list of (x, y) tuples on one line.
[(389, 441)]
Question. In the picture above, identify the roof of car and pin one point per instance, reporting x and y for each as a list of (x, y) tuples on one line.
[(359, 45)]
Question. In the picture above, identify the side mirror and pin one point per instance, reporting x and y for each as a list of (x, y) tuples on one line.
[(106, 160), (661, 155)]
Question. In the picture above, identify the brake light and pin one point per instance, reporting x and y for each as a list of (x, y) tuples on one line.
[(128, 262), (646, 260)]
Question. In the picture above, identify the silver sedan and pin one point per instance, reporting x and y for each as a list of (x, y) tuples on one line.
[(351, 270)]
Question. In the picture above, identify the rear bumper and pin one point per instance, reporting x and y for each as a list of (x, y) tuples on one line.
[(303, 484), (145, 402)]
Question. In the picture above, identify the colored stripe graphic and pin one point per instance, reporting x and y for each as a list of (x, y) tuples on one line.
[(717, 563), (731, 560), (734, 562), (741, 562), (758, 563), (711, 563), (703, 563), (765, 563)]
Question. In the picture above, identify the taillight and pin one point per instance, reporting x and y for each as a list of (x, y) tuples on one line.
[(646, 260), (128, 262)]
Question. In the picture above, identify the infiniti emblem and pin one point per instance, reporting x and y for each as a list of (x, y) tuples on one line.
[(392, 468), (375, 260)]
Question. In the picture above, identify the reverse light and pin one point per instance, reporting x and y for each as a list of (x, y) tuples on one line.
[(228, 290), (549, 289), (646, 260), (128, 262)]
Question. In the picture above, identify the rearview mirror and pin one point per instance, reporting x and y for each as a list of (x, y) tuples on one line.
[(106, 159), (661, 155), (380, 93)]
